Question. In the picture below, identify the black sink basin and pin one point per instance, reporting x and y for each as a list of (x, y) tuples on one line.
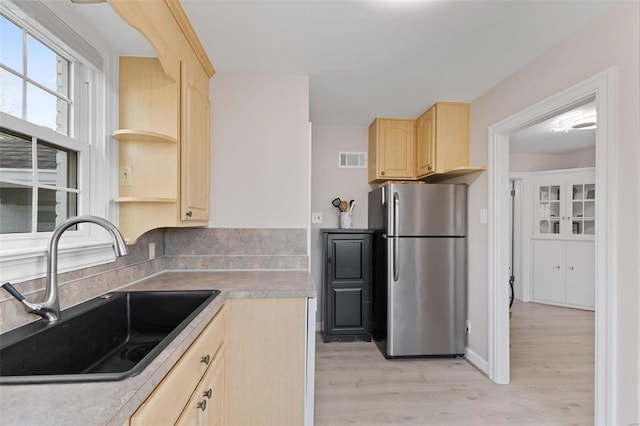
[(107, 338)]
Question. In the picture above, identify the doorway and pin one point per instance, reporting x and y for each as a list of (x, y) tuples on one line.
[(598, 87)]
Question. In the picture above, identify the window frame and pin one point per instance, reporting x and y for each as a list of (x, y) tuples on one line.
[(23, 256)]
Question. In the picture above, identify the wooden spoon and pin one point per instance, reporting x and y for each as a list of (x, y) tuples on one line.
[(344, 206)]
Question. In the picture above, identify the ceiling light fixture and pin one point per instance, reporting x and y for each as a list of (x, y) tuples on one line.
[(576, 120), (585, 123)]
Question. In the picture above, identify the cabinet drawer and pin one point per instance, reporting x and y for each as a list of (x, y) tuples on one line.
[(206, 405), (168, 400)]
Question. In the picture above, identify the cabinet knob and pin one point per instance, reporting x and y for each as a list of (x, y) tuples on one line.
[(429, 167), (571, 267), (382, 173), (202, 405), (189, 213), (557, 267), (206, 359), (208, 393)]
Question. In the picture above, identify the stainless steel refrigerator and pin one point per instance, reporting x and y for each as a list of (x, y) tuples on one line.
[(419, 293)]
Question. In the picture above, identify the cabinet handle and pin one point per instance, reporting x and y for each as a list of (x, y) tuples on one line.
[(329, 260), (206, 359), (208, 393), (382, 173), (202, 405), (189, 213)]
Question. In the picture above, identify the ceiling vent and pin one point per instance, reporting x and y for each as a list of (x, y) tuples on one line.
[(352, 160)]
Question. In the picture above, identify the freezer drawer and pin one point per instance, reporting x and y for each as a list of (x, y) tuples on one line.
[(426, 296)]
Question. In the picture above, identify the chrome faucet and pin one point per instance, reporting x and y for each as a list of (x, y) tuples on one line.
[(49, 309)]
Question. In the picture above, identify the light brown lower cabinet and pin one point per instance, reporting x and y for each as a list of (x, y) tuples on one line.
[(207, 404), (202, 366), (266, 362), (254, 374)]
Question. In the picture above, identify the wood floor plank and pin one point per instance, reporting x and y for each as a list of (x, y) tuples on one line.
[(552, 376)]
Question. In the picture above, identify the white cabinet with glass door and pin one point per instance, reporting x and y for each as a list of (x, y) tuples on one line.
[(564, 223), (565, 205)]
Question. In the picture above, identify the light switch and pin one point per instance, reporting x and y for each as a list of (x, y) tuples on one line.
[(484, 216)]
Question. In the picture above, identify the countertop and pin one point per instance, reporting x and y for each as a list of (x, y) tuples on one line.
[(112, 403)]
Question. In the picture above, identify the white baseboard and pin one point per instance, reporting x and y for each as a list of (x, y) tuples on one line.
[(477, 361)]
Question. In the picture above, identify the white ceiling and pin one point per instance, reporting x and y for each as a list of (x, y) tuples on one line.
[(370, 58), (392, 58)]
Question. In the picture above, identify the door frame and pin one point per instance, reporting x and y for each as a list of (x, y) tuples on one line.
[(601, 87)]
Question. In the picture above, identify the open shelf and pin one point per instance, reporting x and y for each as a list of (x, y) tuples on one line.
[(132, 135)]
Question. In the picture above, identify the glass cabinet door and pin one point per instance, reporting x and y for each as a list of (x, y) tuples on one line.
[(549, 209), (583, 209)]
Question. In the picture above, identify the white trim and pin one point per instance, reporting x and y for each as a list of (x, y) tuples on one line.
[(310, 362), (46, 18), (25, 265), (602, 86), (97, 169), (477, 361)]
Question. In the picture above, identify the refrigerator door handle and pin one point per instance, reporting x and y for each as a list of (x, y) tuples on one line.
[(395, 259), (395, 255), (396, 211)]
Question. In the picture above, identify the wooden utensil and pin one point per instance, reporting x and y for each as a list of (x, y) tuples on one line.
[(344, 206)]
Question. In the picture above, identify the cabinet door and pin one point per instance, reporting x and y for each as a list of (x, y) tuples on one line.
[(195, 144), (425, 144), (350, 310), (396, 149), (548, 222), (582, 209), (549, 271), (580, 273)]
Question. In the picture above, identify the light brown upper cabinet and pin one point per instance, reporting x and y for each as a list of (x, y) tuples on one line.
[(392, 149), (443, 139), (425, 143), (164, 129), (195, 154), (436, 148)]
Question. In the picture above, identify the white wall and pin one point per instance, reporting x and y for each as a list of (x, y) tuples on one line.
[(532, 162), (259, 151), (329, 181), (609, 41)]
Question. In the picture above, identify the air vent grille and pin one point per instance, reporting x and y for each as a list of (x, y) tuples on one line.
[(352, 160)]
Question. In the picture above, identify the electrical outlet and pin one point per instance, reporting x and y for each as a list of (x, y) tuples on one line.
[(468, 326), (152, 251), (124, 176), (316, 217)]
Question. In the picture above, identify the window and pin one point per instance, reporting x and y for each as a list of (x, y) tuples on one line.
[(38, 176), (55, 154), (34, 79)]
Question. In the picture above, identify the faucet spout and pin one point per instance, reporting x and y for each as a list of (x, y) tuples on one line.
[(49, 309)]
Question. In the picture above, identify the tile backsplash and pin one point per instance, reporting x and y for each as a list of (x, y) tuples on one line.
[(240, 249), (176, 249)]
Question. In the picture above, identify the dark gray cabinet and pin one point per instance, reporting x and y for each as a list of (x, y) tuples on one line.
[(346, 290)]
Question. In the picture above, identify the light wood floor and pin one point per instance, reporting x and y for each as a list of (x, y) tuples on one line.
[(552, 375)]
